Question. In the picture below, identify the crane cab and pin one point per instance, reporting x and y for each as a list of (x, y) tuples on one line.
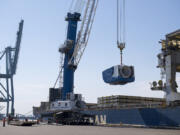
[(119, 75)]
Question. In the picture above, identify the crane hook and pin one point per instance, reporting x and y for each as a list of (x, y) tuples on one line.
[(121, 28)]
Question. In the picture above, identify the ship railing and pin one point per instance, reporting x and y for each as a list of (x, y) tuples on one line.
[(126, 106)]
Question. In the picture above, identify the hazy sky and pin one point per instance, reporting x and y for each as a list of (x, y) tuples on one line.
[(44, 30)]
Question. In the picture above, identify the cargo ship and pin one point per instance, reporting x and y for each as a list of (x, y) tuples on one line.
[(120, 109)]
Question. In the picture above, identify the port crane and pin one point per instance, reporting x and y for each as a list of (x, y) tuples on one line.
[(10, 55), (71, 53), (74, 46)]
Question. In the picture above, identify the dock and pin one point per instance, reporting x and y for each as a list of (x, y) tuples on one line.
[(82, 130)]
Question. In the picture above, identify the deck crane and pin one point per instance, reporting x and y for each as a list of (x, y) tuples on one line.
[(120, 74), (71, 53), (11, 55), (169, 63)]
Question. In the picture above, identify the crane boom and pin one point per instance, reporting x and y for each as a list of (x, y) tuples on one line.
[(84, 32), (17, 47)]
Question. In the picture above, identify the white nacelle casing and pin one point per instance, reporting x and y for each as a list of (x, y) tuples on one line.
[(62, 105), (118, 71)]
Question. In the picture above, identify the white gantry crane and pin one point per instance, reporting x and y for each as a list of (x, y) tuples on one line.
[(169, 63)]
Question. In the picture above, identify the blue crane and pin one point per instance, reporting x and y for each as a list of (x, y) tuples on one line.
[(75, 44), (70, 44), (10, 55), (67, 105)]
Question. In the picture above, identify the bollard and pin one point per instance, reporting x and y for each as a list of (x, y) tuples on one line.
[(4, 122)]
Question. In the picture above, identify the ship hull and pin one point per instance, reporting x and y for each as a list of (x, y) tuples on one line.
[(138, 116)]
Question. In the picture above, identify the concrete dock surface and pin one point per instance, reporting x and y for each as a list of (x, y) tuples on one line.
[(82, 130)]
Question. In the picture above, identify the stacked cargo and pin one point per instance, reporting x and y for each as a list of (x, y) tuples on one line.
[(129, 101)]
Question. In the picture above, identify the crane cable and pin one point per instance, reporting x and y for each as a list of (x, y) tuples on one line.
[(77, 6), (121, 31)]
